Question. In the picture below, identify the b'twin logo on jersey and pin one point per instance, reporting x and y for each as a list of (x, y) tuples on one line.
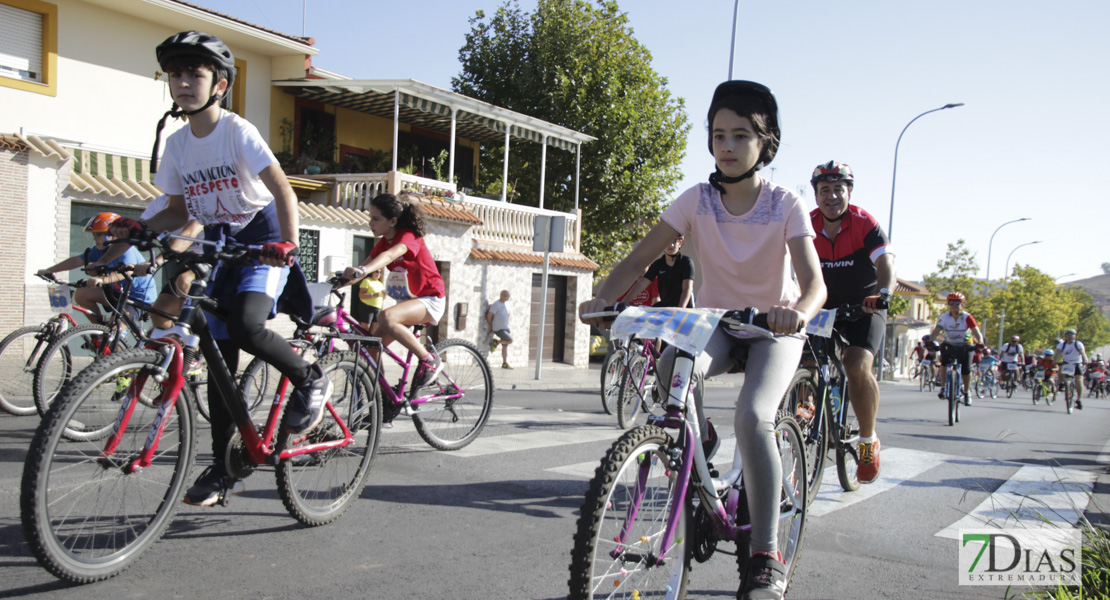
[(838, 264)]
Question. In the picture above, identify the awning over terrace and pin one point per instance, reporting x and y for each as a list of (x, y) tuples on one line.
[(437, 109)]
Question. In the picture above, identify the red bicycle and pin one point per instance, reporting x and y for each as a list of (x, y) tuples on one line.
[(90, 508)]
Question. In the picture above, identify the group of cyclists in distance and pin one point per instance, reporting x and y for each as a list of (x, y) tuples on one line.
[(759, 246), (1011, 361)]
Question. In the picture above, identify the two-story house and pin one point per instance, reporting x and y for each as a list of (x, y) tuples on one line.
[(81, 94)]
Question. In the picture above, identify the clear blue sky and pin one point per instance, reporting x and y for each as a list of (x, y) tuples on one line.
[(1030, 141)]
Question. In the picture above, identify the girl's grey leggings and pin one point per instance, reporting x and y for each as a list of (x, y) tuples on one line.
[(771, 364)]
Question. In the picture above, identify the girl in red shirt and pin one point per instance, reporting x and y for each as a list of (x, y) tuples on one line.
[(412, 279)]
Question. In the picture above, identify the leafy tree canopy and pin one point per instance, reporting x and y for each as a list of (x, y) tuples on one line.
[(956, 273), (577, 64)]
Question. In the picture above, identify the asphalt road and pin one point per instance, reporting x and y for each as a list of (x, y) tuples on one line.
[(496, 520)]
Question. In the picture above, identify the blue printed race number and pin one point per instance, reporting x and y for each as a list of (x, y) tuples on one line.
[(822, 323)]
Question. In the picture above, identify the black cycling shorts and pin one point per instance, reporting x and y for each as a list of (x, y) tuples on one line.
[(866, 333), (949, 353)]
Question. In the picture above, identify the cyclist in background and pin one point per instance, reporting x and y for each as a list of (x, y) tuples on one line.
[(956, 324), (857, 264), (931, 350), (91, 296), (756, 232), (1048, 361), (1072, 352), (987, 361), (1012, 352), (673, 273)]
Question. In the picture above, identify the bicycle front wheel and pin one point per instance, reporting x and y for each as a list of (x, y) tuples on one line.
[(86, 516), (793, 498), (460, 399), (632, 392), (612, 373), (66, 356), (19, 355), (318, 487), (618, 549), (1069, 395)]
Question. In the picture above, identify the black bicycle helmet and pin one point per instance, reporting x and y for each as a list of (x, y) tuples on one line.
[(195, 43), (208, 48), (763, 102)]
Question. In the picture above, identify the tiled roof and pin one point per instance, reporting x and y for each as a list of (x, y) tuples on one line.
[(572, 261), (12, 143), (333, 214), (451, 211), (304, 40), (909, 287)]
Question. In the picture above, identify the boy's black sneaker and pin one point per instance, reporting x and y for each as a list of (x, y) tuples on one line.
[(764, 578), (213, 486), (306, 405)]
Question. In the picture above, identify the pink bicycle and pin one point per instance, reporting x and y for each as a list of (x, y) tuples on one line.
[(449, 413)]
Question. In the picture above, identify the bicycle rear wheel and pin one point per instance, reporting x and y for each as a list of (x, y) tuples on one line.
[(19, 355), (66, 356), (803, 393), (612, 373), (632, 392), (84, 517), (620, 526), (459, 401), (317, 488)]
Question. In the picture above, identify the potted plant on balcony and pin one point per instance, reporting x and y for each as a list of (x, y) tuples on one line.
[(317, 150)]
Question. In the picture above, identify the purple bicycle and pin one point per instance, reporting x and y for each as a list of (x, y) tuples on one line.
[(449, 413)]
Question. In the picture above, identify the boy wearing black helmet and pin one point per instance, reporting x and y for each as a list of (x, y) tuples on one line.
[(857, 264), (750, 233), (219, 170)]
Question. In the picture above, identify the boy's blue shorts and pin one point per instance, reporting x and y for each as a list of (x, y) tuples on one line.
[(260, 278)]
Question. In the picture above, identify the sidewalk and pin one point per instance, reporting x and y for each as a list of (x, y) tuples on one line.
[(564, 377)]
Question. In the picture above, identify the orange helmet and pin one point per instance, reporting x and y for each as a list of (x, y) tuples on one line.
[(101, 222)]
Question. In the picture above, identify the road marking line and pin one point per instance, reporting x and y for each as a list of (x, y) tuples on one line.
[(1035, 497), (899, 465), (530, 441)]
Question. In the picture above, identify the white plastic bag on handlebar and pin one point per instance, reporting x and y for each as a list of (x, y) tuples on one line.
[(59, 297), (685, 328), (822, 323)]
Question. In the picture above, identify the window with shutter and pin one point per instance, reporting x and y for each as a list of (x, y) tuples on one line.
[(28, 45)]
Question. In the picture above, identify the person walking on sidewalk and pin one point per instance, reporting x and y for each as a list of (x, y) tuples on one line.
[(498, 318)]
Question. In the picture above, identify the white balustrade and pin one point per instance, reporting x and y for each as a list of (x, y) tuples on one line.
[(502, 223)]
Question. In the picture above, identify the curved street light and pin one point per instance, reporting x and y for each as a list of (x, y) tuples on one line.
[(1061, 277), (894, 178), (1002, 323), (890, 222), (991, 243)]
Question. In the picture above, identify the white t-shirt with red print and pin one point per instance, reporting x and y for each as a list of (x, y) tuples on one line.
[(414, 274), (218, 174), (956, 328)]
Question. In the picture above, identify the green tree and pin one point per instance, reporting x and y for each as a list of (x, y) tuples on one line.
[(577, 64), (898, 305), (956, 273), (1038, 310)]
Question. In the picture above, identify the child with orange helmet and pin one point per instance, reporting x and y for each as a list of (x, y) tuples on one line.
[(91, 296)]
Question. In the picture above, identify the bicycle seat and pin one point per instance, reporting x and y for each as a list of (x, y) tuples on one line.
[(323, 316)]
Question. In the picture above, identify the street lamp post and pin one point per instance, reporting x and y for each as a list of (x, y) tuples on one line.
[(1061, 277), (890, 222), (1002, 322), (990, 246)]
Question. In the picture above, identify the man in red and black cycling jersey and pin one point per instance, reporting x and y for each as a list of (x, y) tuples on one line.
[(858, 266)]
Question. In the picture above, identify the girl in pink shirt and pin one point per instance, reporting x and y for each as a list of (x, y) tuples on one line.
[(750, 234)]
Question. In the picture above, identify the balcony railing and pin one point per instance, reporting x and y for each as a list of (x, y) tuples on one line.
[(502, 223)]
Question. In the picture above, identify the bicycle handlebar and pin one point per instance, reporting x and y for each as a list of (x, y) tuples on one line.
[(735, 320)]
